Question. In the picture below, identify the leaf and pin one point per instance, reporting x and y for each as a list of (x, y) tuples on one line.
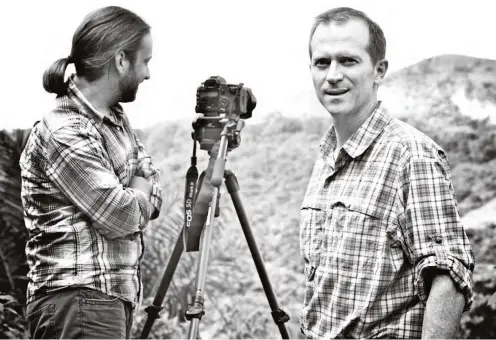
[(7, 298), (12, 311)]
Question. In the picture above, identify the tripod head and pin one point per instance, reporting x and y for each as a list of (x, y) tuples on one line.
[(219, 105)]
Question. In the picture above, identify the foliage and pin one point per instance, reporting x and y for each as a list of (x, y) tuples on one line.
[(479, 321), (13, 236), (12, 320)]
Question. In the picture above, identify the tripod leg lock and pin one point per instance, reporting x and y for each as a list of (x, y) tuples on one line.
[(194, 312), (280, 316), (153, 311)]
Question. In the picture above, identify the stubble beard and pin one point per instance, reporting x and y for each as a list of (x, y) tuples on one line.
[(128, 87)]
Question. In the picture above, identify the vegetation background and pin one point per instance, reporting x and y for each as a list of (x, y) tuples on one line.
[(450, 98)]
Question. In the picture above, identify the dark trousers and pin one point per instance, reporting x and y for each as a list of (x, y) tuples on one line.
[(79, 313)]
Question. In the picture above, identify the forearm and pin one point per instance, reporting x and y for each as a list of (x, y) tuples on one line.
[(152, 191), (147, 170), (443, 309), (112, 209)]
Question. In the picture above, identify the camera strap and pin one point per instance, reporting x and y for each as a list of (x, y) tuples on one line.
[(189, 193), (202, 203)]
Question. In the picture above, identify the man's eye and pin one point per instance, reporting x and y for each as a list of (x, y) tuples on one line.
[(322, 63), (348, 61)]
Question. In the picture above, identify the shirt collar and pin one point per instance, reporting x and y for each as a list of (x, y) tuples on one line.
[(88, 109), (363, 137)]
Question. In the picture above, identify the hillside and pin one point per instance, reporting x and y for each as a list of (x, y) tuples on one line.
[(446, 86)]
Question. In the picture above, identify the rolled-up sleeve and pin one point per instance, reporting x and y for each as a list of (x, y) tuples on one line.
[(147, 170), (431, 225), (76, 164)]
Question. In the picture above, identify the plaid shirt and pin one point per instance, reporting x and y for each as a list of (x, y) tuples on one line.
[(372, 221), (85, 223)]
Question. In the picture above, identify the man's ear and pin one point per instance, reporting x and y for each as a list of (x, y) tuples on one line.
[(121, 62), (380, 70)]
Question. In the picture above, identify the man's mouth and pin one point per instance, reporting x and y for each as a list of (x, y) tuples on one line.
[(336, 92)]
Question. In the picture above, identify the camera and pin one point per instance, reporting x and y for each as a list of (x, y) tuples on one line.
[(215, 97), (217, 103)]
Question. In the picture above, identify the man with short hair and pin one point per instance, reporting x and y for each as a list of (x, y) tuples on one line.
[(386, 255), (88, 186)]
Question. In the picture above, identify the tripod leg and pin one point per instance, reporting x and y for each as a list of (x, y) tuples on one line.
[(279, 316), (196, 310), (154, 309)]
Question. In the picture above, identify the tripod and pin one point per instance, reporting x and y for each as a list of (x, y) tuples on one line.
[(195, 311)]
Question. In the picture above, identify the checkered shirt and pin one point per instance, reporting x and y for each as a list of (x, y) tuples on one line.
[(85, 223), (372, 221)]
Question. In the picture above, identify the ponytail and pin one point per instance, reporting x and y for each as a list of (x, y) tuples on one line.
[(53, 78)]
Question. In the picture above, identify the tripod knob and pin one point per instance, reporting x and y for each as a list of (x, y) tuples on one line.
[(194, 312)]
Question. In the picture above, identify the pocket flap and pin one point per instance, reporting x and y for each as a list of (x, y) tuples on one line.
[(371, 209)]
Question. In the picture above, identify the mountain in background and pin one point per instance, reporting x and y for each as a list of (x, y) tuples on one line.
[(445, 87)]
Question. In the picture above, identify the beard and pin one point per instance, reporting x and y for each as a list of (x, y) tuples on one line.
[(128, 87)]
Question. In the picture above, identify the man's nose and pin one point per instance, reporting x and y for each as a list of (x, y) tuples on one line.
[(334, 73)]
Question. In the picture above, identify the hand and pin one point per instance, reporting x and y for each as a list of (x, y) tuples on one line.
[(141, 184)]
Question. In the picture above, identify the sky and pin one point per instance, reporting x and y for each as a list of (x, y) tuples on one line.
[(261, 43)]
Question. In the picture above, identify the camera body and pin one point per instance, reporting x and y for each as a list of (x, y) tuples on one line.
[(218, 103), (215, 97)]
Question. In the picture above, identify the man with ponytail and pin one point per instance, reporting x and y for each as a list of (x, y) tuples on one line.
[(88, 186)]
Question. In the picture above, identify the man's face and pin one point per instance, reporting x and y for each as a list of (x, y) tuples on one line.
[(138, 71), (342, 70)]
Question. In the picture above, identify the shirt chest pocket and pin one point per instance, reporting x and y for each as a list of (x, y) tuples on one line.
[(354, 237)]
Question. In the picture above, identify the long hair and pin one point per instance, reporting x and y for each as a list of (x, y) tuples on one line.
[(100, 36), (341, 15)]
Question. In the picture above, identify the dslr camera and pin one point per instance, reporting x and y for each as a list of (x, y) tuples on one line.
[(218, 103)]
